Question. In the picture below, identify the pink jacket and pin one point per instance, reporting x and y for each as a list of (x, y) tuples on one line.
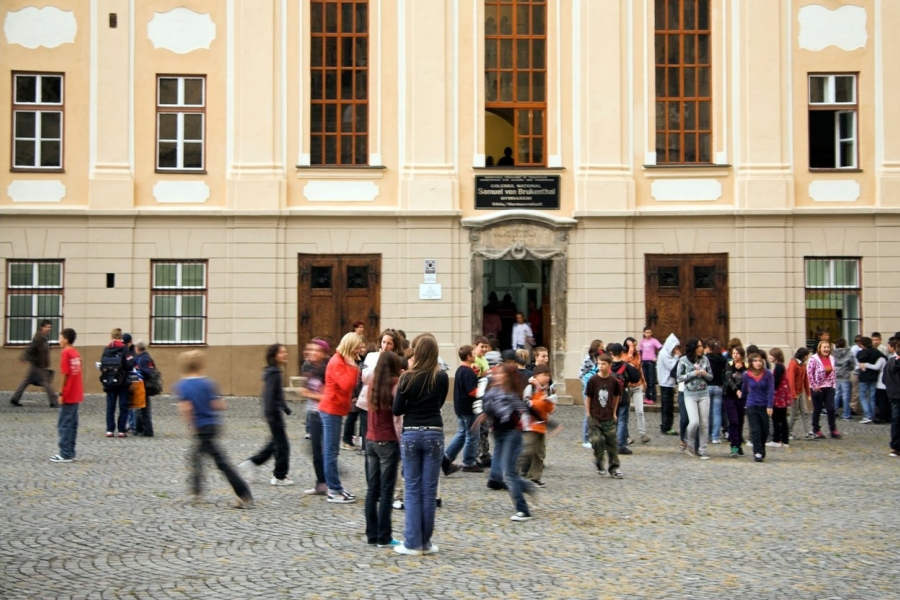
[(818, 378)]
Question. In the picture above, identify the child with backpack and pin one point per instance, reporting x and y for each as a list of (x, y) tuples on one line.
[(114, 369)]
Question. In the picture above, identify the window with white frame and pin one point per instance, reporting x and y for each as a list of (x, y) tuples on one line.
[(833, 301), (833, 122), (178, 302), (34, 292), (37, 121), (180, 123)]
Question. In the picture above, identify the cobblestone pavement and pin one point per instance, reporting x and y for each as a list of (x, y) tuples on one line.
[(818, 520)]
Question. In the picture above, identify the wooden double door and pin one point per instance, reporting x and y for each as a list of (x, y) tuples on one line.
[(335, 291), (687, 294)]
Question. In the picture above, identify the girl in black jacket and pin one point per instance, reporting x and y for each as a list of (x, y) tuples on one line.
[(274, 407)]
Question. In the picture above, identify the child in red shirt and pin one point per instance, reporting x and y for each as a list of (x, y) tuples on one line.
[(71, 396)]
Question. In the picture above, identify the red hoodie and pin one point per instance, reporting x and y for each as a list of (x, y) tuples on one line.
[(340, 379)]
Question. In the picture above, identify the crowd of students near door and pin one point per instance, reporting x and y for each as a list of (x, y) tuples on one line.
[(719, 388)]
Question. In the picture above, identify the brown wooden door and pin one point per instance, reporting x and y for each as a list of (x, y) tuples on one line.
[(335, 291), (687, 294)]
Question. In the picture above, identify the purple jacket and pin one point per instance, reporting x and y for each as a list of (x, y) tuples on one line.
[(759, 393)]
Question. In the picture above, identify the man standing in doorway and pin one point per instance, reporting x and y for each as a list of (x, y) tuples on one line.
[(39, 374)]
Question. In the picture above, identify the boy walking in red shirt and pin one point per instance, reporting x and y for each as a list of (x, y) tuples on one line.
[(71, 396)]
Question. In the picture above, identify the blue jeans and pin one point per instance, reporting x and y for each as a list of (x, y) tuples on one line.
[(422, 451), (465, 439), (867, 398), (842, 391), (584, 431), (331, 447), (68, 429), (622, 421), (507, 446), (715, 411), (118, 396)]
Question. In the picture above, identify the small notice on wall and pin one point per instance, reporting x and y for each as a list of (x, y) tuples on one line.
[(531, 192), (430, 291)]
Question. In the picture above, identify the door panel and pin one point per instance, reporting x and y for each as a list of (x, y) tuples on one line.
[(334, 292), (687, 294)]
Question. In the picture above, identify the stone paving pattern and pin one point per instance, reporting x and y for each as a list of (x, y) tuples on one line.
[(819, 520)]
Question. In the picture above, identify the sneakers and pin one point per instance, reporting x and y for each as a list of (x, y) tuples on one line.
[(625, 450), (316, 491), (810, 435), (586, 445), (773, 444), (601, 471), (402, 549), (109, 434), (648, 403), (307, 437), (893, 454), (472, 469), (520, 516), (245, 503), (496, 485), (60, 459), (819, 435), (629, 441), (865, 421), (835, 435), (390, 544), (398, 504), (740, 451), (758, 457), (347, 446), (15, 403), (281, 482), (716, 442), (645, 439), (121, 434), (670, 432), (342, 497), (704, 457), (617, 474), (734, 453), (248, 470), (689, 448), (432, 549), (539, 483)]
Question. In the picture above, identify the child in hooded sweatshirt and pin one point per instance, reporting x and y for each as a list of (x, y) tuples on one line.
[(273, 408)]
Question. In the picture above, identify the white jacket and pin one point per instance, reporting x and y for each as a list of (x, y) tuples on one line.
[(665, 361)]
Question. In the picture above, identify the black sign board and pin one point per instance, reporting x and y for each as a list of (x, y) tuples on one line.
[(534, 192)]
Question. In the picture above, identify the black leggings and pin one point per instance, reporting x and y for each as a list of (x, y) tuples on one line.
[(780, 426), (823, 399)]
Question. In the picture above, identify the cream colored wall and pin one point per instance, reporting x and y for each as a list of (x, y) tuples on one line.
[(68, 58)]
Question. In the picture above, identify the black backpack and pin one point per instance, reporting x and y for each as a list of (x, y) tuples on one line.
[(153, 382), (112, 368)]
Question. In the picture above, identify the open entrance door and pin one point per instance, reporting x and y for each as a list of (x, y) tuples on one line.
[(511, 286)]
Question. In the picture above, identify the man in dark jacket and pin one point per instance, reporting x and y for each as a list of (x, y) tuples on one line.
[(891, 379), (39, 374)]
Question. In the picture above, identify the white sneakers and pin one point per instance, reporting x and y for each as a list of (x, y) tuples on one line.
[(282, 482), (586, 445)]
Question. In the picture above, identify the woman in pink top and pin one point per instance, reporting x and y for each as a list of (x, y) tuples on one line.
[(820, 370)]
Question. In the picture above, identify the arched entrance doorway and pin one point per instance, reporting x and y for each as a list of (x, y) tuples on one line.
[(524, 255)]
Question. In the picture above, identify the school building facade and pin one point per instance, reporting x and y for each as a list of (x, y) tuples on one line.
[(226, 174)]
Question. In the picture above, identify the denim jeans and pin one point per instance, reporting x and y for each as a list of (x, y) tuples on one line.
[(132, 420), (118, 397), (314, 428), (507, 446), (842, 392), (649, 369), (422, 451), (622, 415), (584, 431), (68, 429), (382, 461), (464, 439), (867, 398), (278, 446), (715, 411), (331, 447)]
